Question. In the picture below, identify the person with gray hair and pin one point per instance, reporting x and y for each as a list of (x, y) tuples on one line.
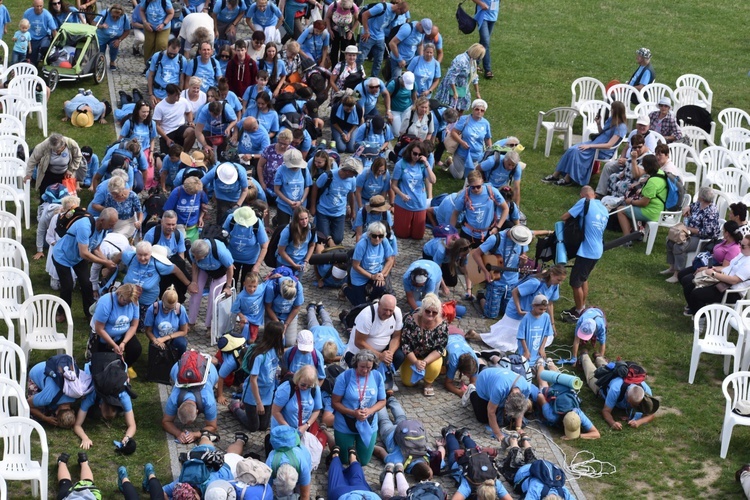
[(213, 263), (372, 261), (474, 135), (492, 401), (292, 467), (504, 169), (55, 159), (285, 482), (701, 223)]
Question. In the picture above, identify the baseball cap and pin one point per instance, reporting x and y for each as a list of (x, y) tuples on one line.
[(305, 341), (665, 101), (643, 120), (572, 425), (644, 52), (426, 25), (408, 79), (540, 299), (587, 329)]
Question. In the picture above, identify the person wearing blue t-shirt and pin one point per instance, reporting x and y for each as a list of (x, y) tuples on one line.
[(644, 74), (324, 332), (254, 409), (377, 210), (43, 391), (115, 322), (503, 169), (229, 183), (21, 39), (474, 135), (376, 22), (576, 425), (411, 175), (284, 437), (594, 222), (486, 16), (406, 43), (426, 71), (283, 299), (372, 262), (92, 165), (296, 242), (4, 20), (205, 66), (252, 139), (301, 390), (113, 29), (302, 354), (291, 185), (590, 327), (334, 193), (249, 306), (501, 395), (167, 323), (315, 42), (483, 209), (373, 181), (182, 405), (460, 359), (533, 331), (42, 28), (422, 277), (190, 203), (227, 15), (157, 16), (248, 241), (165, 67), (213, 263), (370, 90), (263, 14), (346, 116)]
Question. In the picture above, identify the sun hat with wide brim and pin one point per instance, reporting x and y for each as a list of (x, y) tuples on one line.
[(245, 216), (160, 253), (351, 49), (227, 173), (199, 159), (293, 159), (352, 164), (82, 119), (521, 235), (378, 204), (186, 159)]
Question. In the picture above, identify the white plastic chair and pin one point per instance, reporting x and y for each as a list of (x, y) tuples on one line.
[(682, 155), (12, 173), (13, 254), (12, 362), (15, 289), (740, 382), (687, 96), (38, 325), (736, 139), (697, 82), (719, 320), (562, 122), (26, 86), (586, 89), (588, 111), (733, 117), (17, 463), (623, 93), (744, 160), (666, 219), (10, 226), (16, 106), (732, 182), (223, 319), (3, 489), (652, 92), (645, 108), (9, 195), (698, 137), (12, 400), (713, 159), (20, 69), (10, 125), (6, 55), (9, 146)]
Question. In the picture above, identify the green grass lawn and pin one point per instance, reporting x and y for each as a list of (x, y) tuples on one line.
[(539, 48)]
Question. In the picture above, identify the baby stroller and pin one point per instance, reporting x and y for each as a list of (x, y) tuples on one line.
[(74, 55)]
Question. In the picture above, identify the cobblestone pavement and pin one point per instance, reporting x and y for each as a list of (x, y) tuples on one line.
[(435, 412)]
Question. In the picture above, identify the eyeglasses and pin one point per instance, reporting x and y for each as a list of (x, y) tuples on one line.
[(373, 87), (480, 109), (476, 188), (430, 312), (377, 236), (416, 153)]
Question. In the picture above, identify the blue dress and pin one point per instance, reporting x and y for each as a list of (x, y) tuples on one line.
[(577, 163)]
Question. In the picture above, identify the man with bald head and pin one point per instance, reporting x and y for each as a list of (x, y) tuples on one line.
[(42, 27), (377, 328), (252, 140), (593, 216)]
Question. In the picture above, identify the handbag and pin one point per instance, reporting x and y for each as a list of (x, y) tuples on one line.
[(466, 23), (451, 144), (160, 363), (703, 279), (679, 233)]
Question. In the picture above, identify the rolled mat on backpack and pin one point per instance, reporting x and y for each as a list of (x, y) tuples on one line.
[(553, 377), (561, 255)]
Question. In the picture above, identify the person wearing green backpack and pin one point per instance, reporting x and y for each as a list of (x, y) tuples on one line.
[(289, 453)]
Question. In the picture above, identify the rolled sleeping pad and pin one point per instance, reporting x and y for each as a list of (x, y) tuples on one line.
[(634, 236), (338, 257), (553, 377), (561, 255)]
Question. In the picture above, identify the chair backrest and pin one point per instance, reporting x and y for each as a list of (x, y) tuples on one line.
[(14, 105), (6, 54), (740, 383), (659, 138), (719, 320), (692, 80), (714, 158), (9, 195), (12, 172), (38, 317), (9, 145), (736, 139), (10, 226), (652, 92), (698, 137), (623, 93), (17, 447), (12, 362), (585, 89), (13, 254), (3, 485), (645, 108), (563, 117), (731, 181), (589, 110), (733, 117), (20, 69), (26, 87), (12, 400), (686, 96), (681, 155), (744, 160), (15, 286), (10, 125)]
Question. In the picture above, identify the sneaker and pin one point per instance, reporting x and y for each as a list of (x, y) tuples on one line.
[(212, 436), (387, 490), (740, 471), (319, 306), (399, 468), (148, 470), (667, 271), (550, 178), (563, 182), (311, 305), (672, 279), (687, 312), (82, 457), (122, 474), (570, 315), (462, 433), (64, 457), (466, 398), (448, 429)]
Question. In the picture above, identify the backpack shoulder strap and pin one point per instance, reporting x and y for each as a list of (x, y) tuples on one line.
[(195, 64)]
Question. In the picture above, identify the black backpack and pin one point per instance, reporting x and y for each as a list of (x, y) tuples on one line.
[(214, 232), (273, 244), (352, 314), (54, 368), (332, 372), (67, 219), (354, 79), (573, 231), (367, 7), (110, 376), (477, 466), (214, 65)]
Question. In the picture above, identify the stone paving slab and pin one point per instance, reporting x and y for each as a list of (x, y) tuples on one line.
[(435, 412)]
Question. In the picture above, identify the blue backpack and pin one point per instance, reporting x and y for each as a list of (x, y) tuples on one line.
[(675, 192), (563, 399), (426, 490), (549, 474), (195, 473)]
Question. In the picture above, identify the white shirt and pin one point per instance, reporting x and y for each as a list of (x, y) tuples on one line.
[(171, 116), (192, 22), (198, 103), (740, 267), (378, 332), (650, 141)]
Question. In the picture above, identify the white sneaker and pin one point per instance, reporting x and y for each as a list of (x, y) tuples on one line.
[(466, 398), (54, 284)]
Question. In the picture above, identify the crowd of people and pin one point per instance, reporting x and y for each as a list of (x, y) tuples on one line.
[(221, 182)]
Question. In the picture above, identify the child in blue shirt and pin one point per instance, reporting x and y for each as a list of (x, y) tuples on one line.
[(22, 39), (92, 164), (533, 330), (249, 306)]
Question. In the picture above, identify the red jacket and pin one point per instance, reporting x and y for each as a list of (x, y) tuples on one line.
[(241, 75)]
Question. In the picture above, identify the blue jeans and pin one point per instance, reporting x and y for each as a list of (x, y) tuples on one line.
[(386, 426), (396, 69), (18, 57), (342, 481), (39, 48), (376, 48), (451, 445), (113, 51), (331, 226), (485, 32), (341, 145)]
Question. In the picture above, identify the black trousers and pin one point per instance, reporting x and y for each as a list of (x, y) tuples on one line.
[(66, 284)]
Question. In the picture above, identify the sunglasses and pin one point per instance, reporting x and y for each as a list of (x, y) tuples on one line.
[(476, 188), (383, 236), (416, 153), (430, 312), (373, 87), (511, 145), (224, 56)]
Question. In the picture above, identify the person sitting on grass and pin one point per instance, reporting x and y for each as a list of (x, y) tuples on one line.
[(592, 322), (576, 423), (66, 488)]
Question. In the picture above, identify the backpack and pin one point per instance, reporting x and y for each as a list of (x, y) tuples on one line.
[(83, 492), (563, 399), (293, 352), (630, 372), (445, 231), (573, 233), (273, 245), (110, 375), (367, 7), (288, 452), (246, 365), (354, 79), (192, 368), (214, 232), (466, 23), (411, 437), (332, 372), (477, 466), (67, 219), (549, 474), (285, 98), (159, 58), (55, 367), (517, 364), (497, 152), (394, 31), (154, 205), (675, 192), (195, 472), (214, 64), (157, 235), (384, 221), (403, 141), (426, 490), (354, 312)]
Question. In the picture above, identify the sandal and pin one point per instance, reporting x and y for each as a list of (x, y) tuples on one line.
[(488, 75), (429, 391)]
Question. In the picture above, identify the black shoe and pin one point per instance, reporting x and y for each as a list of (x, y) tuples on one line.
[(352, 451), (311, 305), (738, 474), (183, 457), (212, 436), (124, 99), (241, 436), (318, 307), (570, 315), (82, 457), (137, 96), (462, 433), (64, 457), (343, 314), (449, 429)]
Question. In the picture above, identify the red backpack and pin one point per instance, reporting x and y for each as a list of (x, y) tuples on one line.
[(191, 368)]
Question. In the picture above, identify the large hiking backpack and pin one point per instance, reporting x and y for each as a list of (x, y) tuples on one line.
[(426, 490), (675, 192), (411, 437), (195, 472), (477, 466), (354, 312), (573, 231), (191, 368), (563, 399), (110, 375), (549, 474), (67, 219), (517, 364), (273, 244)]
